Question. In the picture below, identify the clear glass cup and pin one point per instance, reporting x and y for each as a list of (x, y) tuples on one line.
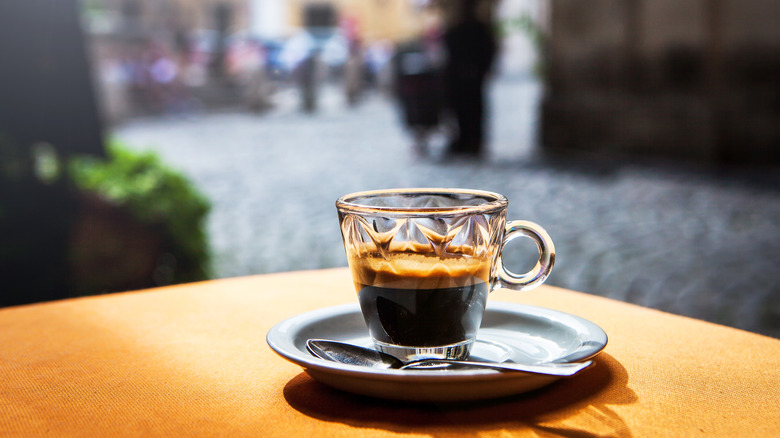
[(424, 261)]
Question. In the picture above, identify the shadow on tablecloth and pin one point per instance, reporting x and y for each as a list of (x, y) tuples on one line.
[(572, 407)]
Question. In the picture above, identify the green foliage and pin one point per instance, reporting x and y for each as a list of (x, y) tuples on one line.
[(153, 194)]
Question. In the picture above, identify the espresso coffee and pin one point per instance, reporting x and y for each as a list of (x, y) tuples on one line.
[(421, 300), (424, 261)]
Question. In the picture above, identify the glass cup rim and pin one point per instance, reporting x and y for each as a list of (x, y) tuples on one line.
[(495, 202)]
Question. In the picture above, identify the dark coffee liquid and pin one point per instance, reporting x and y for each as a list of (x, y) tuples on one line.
[(423, 317), (421, 300)]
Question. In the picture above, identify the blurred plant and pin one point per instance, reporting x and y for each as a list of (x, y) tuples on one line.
[(153, 194)]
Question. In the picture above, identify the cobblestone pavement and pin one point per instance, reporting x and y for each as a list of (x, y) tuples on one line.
[(694, 241)]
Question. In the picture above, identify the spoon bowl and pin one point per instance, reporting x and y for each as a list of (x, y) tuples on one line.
[(355, 355)]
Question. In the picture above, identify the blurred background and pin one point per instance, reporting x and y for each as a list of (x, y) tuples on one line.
[(153, 142)]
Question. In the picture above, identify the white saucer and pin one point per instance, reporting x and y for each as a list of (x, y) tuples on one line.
[(509, 333)]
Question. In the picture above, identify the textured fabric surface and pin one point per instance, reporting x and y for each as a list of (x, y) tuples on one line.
[(192, 360)]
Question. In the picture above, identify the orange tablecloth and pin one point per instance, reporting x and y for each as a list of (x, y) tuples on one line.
[(192, 360)]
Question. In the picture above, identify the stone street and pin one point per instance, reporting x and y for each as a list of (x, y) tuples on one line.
[(688, 239)]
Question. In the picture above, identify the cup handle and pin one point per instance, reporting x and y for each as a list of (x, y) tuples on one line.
[(544, 264)]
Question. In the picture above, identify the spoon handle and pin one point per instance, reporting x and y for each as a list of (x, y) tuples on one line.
[(551, 369)]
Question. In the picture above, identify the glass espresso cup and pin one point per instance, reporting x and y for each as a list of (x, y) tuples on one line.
[(424, 261)]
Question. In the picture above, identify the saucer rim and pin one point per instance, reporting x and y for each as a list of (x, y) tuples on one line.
[(280, 340)]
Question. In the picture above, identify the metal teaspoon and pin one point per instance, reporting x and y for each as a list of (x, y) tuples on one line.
[(356, 355)]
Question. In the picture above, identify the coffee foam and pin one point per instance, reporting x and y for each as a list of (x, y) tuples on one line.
[(418, 271)]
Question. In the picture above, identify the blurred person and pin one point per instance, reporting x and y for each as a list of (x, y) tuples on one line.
[(135, 70), (307, 75), (194, 72), (259, 88), (246, 68), (471, 48), (417, 68), (354, 73), (113, 87), (378, 61), (165, 83)]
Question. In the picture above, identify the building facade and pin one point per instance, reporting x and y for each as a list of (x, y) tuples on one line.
[(694, 79)]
